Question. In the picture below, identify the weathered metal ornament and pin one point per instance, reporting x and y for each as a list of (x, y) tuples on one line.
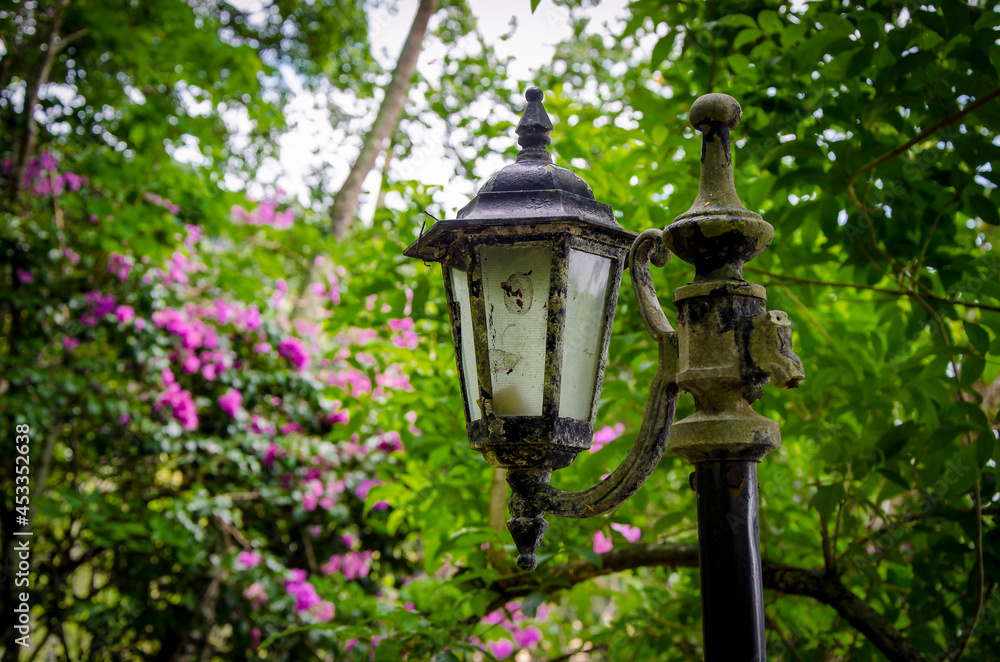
[(729, 346)]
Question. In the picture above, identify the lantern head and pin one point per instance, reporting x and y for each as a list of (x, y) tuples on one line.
[(532, 267)]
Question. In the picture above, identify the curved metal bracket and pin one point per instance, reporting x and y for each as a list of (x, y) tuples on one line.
[(532, 496), (649, 248)]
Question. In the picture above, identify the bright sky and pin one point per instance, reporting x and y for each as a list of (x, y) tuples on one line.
[(532, 45)]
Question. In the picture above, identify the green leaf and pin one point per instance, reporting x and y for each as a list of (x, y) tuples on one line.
[(961, 472), (747, 36), (978, 336), (985, 443), (894, 478), (769, 21), (896, 438), (972, 368), (534, 5), (590, 555), (530, 604), (737, 21), (660, 134), (739, 63), (827, 498), (985, 209)]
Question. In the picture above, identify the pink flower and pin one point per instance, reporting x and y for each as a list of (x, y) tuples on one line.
[(260, 426), (309, 502), (323, 612), (193, 235), (340, 416), (289, 428), (270, 453), (180, 401), (48, 161), (231, 401), (411, 418), (70, 343), (256, 594), (124, 419), (356, 564), (602, 544), (527, 637), (191, 365), (262, 348), (140, 323), (348, 539), (401, 324), (71, 255), (119, 265), (222, 311), (365, 487), (305, 593), (389, 442), (125, 314), (293, 350), (208, 372), (494, 617), (630, 533), (606, 435), (102, 304), (332, 566), (248, 559), (73, 182), (24, 276), (502, 648)]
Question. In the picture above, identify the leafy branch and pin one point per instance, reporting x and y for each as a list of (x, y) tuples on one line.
[(823, 586)]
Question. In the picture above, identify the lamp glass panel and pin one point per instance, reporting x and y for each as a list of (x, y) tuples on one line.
[(586, 298), (460, 288), (516, 293)]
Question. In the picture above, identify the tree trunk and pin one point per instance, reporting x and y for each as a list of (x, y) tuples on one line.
[(346, 201)]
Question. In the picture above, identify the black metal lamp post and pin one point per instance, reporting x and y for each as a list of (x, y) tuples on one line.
[(532, 267)]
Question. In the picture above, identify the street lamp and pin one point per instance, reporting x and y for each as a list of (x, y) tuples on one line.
[(532, 267)]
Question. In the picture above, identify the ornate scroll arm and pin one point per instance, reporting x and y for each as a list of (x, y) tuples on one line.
[(532, 496)]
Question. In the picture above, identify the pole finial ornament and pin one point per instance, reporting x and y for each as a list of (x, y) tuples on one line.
[(738, 233)]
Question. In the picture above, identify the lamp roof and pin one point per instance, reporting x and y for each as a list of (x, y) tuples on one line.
[(529, 192)]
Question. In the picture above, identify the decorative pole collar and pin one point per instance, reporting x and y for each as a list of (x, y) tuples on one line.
[(533, 130)]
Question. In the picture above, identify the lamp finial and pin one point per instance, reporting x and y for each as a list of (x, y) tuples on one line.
[(533, 130)]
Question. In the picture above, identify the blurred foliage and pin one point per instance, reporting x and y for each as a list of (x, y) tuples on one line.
[(868, 138)]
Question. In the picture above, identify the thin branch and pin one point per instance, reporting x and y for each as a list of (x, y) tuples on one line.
[(829, 559), (567, 656), (872, 288), (980, 573), (945, 121), (927, 239)]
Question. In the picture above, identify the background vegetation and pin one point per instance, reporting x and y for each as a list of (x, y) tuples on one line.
[(245, 439)]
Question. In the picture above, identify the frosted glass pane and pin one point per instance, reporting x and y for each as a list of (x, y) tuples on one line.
[(460, 287), (516, 291), (584, 339)]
